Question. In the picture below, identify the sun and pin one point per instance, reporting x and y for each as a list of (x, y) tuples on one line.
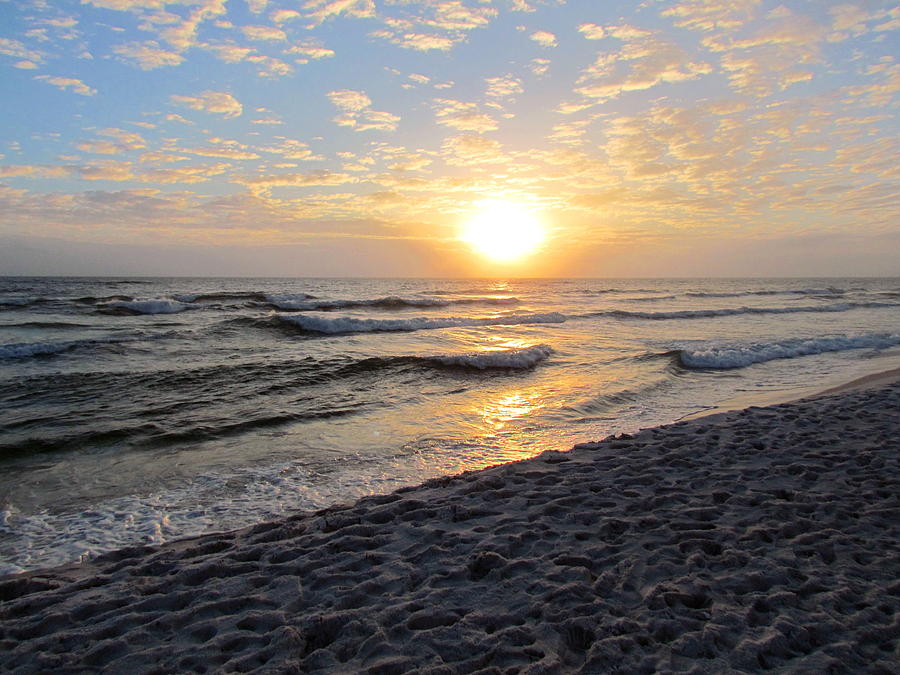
[(503, 231)]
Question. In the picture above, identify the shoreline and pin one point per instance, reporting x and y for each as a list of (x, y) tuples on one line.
[(765, 537), (798, 393)]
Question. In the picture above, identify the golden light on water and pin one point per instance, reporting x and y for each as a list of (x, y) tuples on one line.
[(496, 413), (503, 231)]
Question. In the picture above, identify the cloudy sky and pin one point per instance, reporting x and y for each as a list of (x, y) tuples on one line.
[(356, 137)]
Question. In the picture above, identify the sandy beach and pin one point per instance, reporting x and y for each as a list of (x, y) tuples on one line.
[(760, 539)]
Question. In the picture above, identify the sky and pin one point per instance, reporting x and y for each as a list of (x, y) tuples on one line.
[(359, 137)]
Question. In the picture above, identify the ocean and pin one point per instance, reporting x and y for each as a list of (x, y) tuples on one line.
[(136, 411)]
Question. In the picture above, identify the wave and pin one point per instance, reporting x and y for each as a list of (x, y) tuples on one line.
[(144, 409), (94, 299), (724, 357), (651, 298), (242, 296), (732, 311), (346, 324), (831, 291), (525, 357), (390, 302), (16, 302), (158, 306), (45, 324), (24, 349), (607, 291)]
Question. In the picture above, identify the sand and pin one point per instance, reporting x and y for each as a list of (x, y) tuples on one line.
[(760, 539)]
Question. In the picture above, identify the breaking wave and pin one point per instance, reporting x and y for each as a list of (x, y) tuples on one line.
[(346, 324), (525, 357), (723, 357)]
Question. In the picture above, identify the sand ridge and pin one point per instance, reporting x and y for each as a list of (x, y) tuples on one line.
[(744, 541)]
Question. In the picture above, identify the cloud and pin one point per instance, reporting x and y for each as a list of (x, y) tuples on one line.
[(544, 38), (309, 50), (462, 116), (539, 67), (229, 53), (358, 114), (349, 100), (262, 184), (216, 102), (290, 148), (422, 42), (77, 86), (122, 142), (709, 15), (642, 63), (592, 31), (282, 15), (410, 161), (440, 26), (503, 87), (148, 55), (17, 50), (263, 33), (319, 11), (466, 149), (270, 66)]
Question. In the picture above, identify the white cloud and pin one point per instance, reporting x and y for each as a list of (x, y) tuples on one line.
[(592, 31), (349, 100), (216, 102), (148, 55), (544, 38), (77, 86)]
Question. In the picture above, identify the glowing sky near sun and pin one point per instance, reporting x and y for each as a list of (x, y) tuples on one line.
[(357, 136)]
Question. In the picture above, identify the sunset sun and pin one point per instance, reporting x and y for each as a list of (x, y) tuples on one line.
[(503, 231)]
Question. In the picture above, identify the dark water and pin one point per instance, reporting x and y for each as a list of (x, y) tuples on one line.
[(145, 409)]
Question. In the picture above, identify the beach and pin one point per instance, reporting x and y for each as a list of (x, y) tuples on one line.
[(759, 539)]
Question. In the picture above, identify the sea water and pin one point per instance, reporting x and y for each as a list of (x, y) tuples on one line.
[(141, 410)]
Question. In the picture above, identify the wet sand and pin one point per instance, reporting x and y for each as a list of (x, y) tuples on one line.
[(765, 538)]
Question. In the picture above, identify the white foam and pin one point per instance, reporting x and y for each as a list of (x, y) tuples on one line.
[(157, 306), (740, 356), (346, 324), (525, 357)]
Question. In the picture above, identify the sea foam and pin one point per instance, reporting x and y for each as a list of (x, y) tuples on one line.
[(742, 355), (346, 324), (524, 357)]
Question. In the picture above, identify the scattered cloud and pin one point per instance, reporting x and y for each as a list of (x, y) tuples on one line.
[(263, 33), (462, 116), (592, 31), (358, 114), (68, 83), (544, 38), (148, 55), (216, 102)]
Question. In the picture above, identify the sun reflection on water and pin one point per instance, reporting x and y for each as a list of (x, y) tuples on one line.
[(496, 413)]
